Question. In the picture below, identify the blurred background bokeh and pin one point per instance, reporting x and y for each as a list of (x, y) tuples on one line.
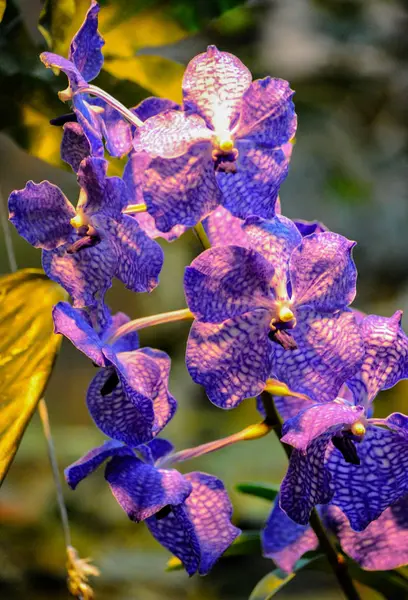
[(348, 63)]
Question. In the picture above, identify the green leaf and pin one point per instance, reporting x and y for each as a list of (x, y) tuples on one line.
[(55, 23), (260, 490), (269, 585), (391, 584), (28, 348)]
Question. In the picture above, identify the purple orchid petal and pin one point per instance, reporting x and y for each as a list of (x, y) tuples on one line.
[(54, 61), (310, 423), (383, 545), (85, 50), (142, 490), (74, 146), (285, 541), (133, 176), (267, 113), (223, 229), (170, 134), (86, 465), (84, 274), (125, 343), (227, 281), (230, 359), (323, 273), (329, 351), (116, 131), (155, 450), (101, 194), (41, 214), (364, 491), (397, 422), (182, 190), (139, 259), (121, 412), (164, 404), (144, 378), (307, 481), (150, 107), (287, 406), (386, 357), (254, 188), (309, 227), (275, 240), (199, 532), (74, 324), (213, 85), (176, 532)]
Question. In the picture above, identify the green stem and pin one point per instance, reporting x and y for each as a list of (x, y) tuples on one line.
[(43, 412), (202, 236), (336, 560), (168, 317), (132, 209), (125, 112)]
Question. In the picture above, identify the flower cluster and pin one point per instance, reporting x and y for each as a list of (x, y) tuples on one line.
[(270, 302)]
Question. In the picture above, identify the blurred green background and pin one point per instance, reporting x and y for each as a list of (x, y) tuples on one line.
[(348, 63)]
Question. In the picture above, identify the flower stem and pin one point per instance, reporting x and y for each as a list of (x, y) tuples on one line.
[(125, 112), (168, 317), (202, 236), (336, 560), (132, 209), (43, 412), (252, 432)]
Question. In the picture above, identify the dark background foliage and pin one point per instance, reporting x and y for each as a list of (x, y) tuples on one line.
[(348, 62)]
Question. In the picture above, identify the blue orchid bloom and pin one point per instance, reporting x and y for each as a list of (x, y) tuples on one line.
[(189, 514), (342, 455), (84, 248), (279, 306)]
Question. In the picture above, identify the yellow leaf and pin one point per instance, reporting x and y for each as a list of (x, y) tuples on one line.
[(28, 348), (2, 8), (159, 75), (43, 140)]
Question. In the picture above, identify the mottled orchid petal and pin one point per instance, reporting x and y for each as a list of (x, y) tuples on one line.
[(223, 229), (210, 511), (386, 357), (285, 541), (124, 413), (175, 532), (74, 146), (86, 465), (230, 359), (170, 134), (41, 214), (267, 113), (213, 85), (309, 227), (85, 50), (288, 406), (116, 131), (125, 343), (227, 281), (140, 259), (84, 274), (142, 490), (100, 194), (74, 324), (155, 450), (133, 176), (383, 545), (164, 404), (307, 481), (275, 239), (254, 188), (364, 491), (323, 273), (310, 423), (329, 351), (183, 190), (150, 107), (199, 532)]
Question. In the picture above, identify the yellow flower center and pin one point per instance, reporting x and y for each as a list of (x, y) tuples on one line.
[(358, 429)]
